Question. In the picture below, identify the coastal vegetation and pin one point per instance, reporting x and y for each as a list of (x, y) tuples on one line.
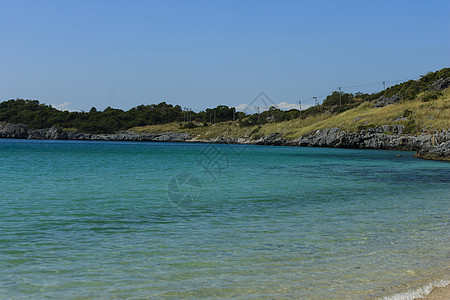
[(426, 109), (418, 105), (421, 116)]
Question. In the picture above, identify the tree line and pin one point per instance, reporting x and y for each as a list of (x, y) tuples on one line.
[(39, 115)]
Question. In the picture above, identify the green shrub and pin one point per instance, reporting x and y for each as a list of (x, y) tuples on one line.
[(189, 125), (365, 126), (431, 95), (410, 127), (407, 113), (256, 130)]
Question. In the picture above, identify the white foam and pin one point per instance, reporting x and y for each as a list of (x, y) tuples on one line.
[(420, 292)]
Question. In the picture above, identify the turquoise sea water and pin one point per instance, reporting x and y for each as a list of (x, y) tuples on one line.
[(165, 220)]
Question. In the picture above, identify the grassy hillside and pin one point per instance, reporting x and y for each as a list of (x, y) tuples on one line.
[(421, 113)]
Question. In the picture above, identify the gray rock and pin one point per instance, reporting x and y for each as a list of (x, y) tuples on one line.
[(438, 152), (14, 131), (275, 139), (435, 146), (401, 118), (441, 84), (398, 129), (383, 101), (21, 131)]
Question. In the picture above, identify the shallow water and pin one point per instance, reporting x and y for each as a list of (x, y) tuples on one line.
[(171, 220)]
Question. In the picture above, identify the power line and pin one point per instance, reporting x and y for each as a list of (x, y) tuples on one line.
[(380, 82), (361, 85), (404, 80), (384, 83)]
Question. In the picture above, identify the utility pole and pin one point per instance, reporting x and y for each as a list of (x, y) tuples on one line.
[(300, 105), (315, 101), (384, 85), (340, 96)]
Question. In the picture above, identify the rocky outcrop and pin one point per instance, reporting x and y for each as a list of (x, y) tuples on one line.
[(429, 146), (21, 131), (131, 136), (439, 152), (275, 139), (383, 101), (441, 84), (47, 134), (16, 131)]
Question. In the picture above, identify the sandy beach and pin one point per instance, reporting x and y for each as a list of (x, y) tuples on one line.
[(438, 293)]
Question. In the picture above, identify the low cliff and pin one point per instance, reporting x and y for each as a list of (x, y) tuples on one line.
[(21, 131), (428, 146)]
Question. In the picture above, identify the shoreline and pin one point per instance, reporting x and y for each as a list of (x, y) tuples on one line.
[(438, 293), (436, 290), (435, 146)]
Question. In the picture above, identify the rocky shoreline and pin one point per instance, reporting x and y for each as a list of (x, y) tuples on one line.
[(434, 146), (21, 131)]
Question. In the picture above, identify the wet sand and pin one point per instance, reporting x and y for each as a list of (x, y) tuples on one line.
[(438, 293)]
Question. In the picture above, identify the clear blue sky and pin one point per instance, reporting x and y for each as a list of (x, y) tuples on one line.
[(204, 53)]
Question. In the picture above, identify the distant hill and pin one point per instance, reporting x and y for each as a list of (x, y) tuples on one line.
[(417, 105), (421, 106), (413, 116)]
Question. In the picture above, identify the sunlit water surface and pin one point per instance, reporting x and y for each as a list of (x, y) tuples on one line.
[(168, 220)]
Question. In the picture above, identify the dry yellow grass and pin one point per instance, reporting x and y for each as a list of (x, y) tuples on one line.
[(429, 116)]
